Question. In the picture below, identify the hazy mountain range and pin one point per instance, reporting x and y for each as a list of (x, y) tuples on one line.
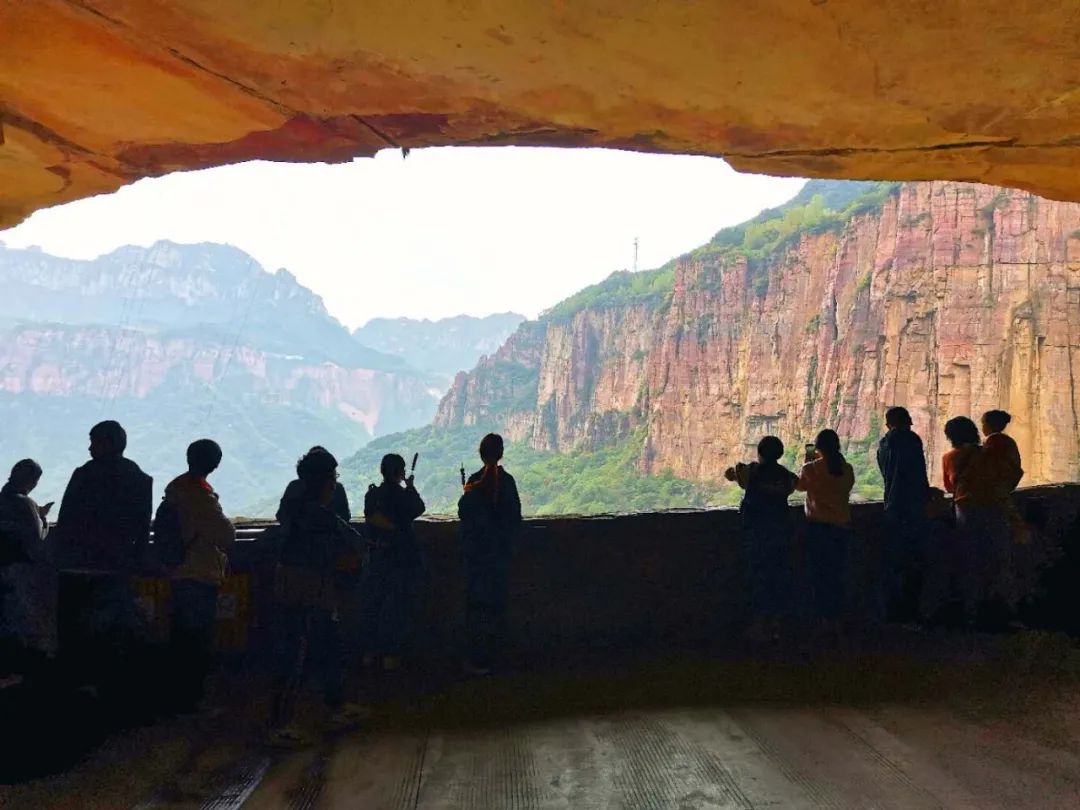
[(181, 341), (443, 347)]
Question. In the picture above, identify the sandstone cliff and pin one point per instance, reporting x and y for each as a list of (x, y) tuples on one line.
[(113, 366), (949, 298)]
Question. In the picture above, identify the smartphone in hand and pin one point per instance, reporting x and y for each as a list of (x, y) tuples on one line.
[(811, 452), (46, 508)]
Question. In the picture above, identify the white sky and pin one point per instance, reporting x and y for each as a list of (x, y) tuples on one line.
[(443, 232)]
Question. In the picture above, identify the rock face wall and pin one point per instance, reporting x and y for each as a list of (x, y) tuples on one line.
[(112, 366), (99, 93), (606, 584), (953, 299)]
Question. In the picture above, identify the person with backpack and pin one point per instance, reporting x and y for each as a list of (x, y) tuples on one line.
[(193, 538), (827, 479), (490, 514), (316, 545), (766, 523), (902, 463), (27, 584), (395, 563)]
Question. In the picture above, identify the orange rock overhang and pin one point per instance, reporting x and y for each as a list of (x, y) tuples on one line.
[(98, 93)]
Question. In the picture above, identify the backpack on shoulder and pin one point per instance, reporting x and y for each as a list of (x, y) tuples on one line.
[(168, 535)]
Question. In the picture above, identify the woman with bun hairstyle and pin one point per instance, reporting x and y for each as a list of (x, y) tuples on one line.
[(827, 479), (316, 545), (1000, 451), (974, 477)]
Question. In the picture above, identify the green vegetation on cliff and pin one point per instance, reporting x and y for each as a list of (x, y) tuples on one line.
[(821, 206), (586, 482), (620, 289)]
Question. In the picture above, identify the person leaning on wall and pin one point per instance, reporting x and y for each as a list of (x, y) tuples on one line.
[(392, 579), (983, 536), (204, 539), (767, 532), (902, 463), (827, 479), (490, 514), (306, 615), (27, 583), (101, 535)]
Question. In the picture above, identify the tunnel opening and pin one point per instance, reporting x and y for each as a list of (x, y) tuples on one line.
[(636, 392), (627, 679), (822, 310)]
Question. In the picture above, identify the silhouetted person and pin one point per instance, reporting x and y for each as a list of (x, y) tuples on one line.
[(101, 535), (104, 520), (27, 615), (490, 513), (339, 503), (766, 534), (1001, 453), (902, 462), (1001, 450), (205, 537), (982, 531), (827, 479), (316, 541), (395, 566)]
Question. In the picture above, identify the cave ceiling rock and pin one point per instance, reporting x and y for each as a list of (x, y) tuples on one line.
[(95, 94)]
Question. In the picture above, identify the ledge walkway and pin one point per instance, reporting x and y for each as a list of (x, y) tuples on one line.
[(914, 721), (691, 758)]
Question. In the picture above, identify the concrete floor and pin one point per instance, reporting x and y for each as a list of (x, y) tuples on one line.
[(947, 724), (671, 758)]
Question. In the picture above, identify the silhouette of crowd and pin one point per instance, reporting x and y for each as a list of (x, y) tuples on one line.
[(67, 598), (70, 615), (914, 580)]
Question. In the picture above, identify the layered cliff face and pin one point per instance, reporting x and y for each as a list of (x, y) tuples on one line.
[(947, 298), (115, 365)]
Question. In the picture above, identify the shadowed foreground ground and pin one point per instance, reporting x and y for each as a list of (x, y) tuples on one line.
[(916, 722)]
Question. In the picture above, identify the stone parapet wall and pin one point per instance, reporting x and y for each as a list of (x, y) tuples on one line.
[(659, 579)]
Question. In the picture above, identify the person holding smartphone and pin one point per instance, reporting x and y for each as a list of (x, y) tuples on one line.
[(27, 620), (827, 479), (766, 521), (392, 579)]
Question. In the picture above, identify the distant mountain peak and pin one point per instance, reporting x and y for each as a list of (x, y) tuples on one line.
[(176, 287), (404, 319), (442, 347)]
